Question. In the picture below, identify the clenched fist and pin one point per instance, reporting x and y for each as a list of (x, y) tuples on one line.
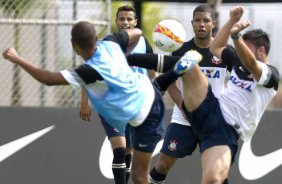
[(11, 55), (236, 13)]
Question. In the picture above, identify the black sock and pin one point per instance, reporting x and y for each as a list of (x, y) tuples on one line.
[(156, 177), (163, 81), (128, 163), (158, 62), (118, 165)]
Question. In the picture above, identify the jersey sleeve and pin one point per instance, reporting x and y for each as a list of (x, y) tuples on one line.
[(269, 77), (120, 38), (81, 75), (230, 56)]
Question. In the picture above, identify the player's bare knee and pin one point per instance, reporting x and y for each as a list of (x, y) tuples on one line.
[(139, 178), (162, 167), (212, 180)]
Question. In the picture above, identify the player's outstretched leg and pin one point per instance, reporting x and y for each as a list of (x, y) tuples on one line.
[(187, 62)]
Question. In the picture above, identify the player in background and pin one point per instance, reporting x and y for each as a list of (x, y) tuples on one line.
[(179, 140), (117, 93), (121, 141)]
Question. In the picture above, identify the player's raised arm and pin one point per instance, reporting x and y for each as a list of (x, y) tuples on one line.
[(41, 75), (133, 38), (247, 57), (221, 38)]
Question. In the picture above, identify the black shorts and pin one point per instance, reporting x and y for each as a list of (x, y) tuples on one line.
[(210, 127)]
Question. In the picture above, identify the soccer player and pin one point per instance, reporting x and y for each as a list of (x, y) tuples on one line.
[(118, 94), (179, 140), (121, 141), (220, 122)]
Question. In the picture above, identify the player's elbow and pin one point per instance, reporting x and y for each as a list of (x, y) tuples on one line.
[(47, 82), (212, 49)]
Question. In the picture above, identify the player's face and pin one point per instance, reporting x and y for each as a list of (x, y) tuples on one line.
[(254, 50), (203, 25), (126, 20)]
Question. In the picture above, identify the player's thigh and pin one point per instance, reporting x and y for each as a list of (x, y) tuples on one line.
[(195, 88), (110, 130), (116, 138), (216, 161)]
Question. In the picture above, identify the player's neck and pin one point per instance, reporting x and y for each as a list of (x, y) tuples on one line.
[(88, 54), (203, 43), (264, 60)]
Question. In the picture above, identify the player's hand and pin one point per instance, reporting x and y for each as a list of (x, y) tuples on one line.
[(85, 112), (11, 55), (239, 26), (236, 13)]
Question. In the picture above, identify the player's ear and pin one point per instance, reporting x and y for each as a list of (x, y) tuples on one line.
[(261, 52), (135, 24)]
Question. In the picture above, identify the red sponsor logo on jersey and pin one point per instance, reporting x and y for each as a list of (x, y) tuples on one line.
[(216, 60)]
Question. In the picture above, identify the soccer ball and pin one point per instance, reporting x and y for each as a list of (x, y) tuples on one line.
[(169, 35)]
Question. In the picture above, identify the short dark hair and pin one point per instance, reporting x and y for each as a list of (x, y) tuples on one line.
[(126, 8), (259, 38), (205, 8), (83, 34)]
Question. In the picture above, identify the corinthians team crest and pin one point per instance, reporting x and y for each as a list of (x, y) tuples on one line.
[(172, 145)]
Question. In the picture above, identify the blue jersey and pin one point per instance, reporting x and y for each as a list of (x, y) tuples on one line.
[(117, 93), (140, 48)]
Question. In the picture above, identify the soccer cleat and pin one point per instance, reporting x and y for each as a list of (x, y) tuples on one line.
[(187, 62)]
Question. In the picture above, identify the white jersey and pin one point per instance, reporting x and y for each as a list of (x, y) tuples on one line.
[(217, 85), (212, 67), (244, 101)]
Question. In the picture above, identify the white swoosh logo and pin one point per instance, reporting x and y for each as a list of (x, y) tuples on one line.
[(10, 148), (253, 167), (106, 157)]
